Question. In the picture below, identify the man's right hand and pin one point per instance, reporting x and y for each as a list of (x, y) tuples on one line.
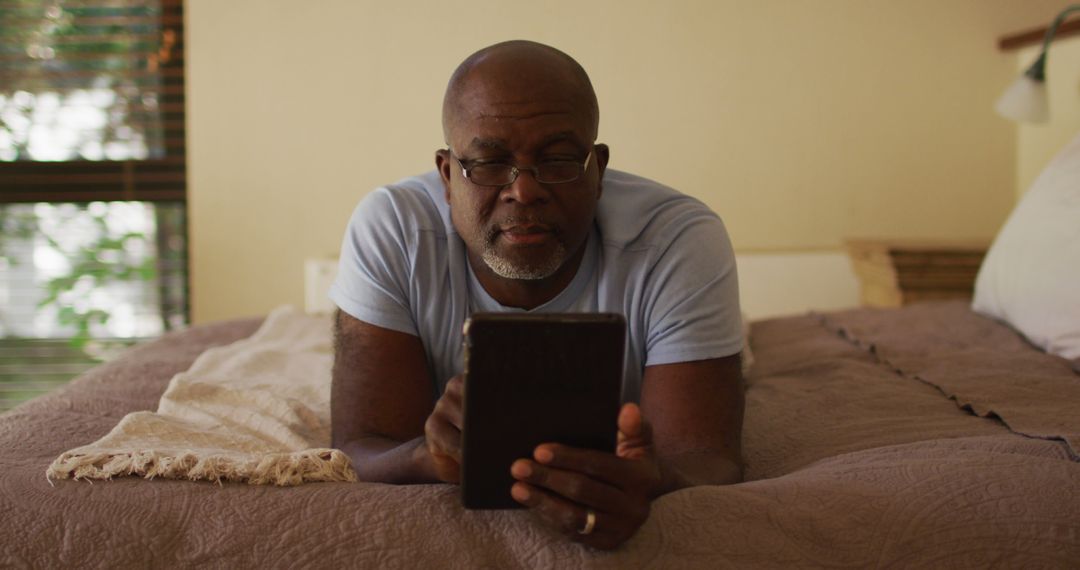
[(442, 431)]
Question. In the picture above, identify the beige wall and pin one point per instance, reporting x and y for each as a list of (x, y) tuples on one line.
[(800, 122), (1039, 143)]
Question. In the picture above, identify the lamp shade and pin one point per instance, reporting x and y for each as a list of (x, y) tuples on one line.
[(1025, 101)]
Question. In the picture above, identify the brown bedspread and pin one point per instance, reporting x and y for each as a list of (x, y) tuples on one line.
[(927, 436)]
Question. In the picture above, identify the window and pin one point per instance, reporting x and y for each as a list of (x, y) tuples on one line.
[(92, 184)]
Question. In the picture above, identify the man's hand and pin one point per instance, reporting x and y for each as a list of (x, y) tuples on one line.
[(442, 432), (561, 484)]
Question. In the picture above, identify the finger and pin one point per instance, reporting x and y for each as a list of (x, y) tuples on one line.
[(446, 468), (629, 421), (452, 411), (632, 423), (577, 487), (606, 467), (560, 514), (449, 405), (635, 433), (455, 385), (452, 397), (443, 437)]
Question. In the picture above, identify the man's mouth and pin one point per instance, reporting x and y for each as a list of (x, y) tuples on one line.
[(527, 234)]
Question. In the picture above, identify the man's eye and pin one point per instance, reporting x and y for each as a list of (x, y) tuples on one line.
[(558, 158)]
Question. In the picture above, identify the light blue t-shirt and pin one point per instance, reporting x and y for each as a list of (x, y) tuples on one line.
[(660, 258)]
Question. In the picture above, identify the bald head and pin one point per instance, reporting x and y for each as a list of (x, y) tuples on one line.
[(513, 72)]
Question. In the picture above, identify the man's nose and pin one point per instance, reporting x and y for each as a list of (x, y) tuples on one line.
[(525, 189)]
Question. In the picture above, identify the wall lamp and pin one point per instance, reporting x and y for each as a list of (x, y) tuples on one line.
[(1026, 100)]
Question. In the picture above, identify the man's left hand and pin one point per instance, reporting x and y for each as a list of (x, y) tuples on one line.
[(562, 484)]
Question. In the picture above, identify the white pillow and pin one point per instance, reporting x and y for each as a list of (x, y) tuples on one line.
[(1031, 275)]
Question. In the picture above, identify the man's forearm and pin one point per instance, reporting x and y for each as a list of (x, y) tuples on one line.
[(697, 468), (382, 460)]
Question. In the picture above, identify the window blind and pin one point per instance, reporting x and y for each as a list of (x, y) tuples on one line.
[(91, 100)]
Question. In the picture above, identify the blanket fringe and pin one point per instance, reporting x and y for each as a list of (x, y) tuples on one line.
[(282, 469)]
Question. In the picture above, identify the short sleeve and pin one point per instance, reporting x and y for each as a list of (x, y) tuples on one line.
[(373, 278), (693, 295)]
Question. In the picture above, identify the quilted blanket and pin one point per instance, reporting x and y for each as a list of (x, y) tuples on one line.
[(921, 437)]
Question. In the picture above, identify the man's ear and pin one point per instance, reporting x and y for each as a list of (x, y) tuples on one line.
[(442, 162), (603, 154)]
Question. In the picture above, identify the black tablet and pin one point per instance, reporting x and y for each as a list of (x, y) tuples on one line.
[(531, 379)]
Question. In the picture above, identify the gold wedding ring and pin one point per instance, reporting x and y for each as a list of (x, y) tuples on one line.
[(590, 522)]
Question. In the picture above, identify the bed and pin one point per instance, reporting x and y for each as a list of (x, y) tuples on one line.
[(941, 434), (923, 436)]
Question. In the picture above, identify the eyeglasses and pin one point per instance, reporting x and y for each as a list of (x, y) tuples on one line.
[(502, 174)]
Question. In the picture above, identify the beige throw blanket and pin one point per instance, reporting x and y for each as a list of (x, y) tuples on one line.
[(256, 410)]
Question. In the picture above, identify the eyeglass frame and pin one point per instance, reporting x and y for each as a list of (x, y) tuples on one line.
[(516, 171)]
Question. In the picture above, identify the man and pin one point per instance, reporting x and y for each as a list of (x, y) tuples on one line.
[(523, 215)]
